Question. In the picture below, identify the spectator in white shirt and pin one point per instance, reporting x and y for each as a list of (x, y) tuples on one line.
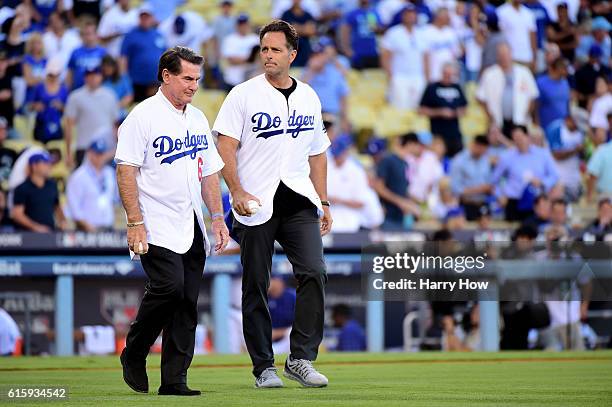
[(518, 24), (443, 44), (9, 334), (59, 41), (236, 50), (114, 24), (601, 110), (507, 92), (424, 168), (401, 43), (347, 184), (187, 29), (91, 191)]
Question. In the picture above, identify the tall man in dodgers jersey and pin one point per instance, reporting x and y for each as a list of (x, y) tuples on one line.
[(273, 143), (167, 164)]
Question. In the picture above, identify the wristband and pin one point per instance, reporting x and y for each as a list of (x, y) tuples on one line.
[(325, 203), (216, 215), (133, 224)]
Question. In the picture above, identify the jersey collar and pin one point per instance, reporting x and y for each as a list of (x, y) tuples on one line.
[(169, 104)]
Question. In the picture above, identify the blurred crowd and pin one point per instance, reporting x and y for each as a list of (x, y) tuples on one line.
[(70, 71)]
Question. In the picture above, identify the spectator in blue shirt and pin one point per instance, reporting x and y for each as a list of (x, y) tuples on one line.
[(140, 52), (470, 173), (523, 173), (424, 15), (305, 24), (600, 171), (48, 102), (555, 94), (391, 185), (600, 35), (325, 74), (119, 83), (87, 56), (281, 301), (41, 11), (358, 36), (351, 337)]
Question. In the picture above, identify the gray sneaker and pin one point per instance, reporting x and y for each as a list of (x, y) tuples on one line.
[(268, 379), (302, 371)]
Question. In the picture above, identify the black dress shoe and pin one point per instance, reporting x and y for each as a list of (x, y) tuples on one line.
[(177, 390), (135, 374)]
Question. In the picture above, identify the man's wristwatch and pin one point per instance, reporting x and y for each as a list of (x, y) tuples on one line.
[(325, 203)]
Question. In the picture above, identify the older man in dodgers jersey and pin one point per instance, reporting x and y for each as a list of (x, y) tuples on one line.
[(272, 140), (168, 163)]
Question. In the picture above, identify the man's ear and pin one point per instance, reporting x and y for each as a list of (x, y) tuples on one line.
[(292, 55), (165, 75)]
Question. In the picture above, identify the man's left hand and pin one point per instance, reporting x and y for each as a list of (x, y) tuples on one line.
[(326, 221), (221, 234)]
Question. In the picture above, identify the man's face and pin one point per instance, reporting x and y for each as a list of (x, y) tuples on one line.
[(558, 214), (182, 87), (449, 74), (93, 80), (542, 208), (275, 55), (409, 17), (520, 139), (478, 150), (146, 21), (97, 159), (244, 28), (89, 35), (41, 169)]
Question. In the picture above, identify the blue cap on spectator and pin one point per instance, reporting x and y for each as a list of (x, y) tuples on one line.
[(600, 23), (99, 146), (326, 42), (93, 69), (408, 7), (242, 18), (317, 48), (455, 212), (595, 51), (376, 145), (424, 137), (179, 25), (42, 156), (341, 144)]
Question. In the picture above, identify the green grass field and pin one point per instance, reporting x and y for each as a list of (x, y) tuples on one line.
[(391, 379)]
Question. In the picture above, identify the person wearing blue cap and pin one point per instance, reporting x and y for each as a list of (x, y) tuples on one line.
[(87, 56), (586, 76), (36, 206), (347, 182), (600, 35), (236, 50), (140, 51), (91, 192)]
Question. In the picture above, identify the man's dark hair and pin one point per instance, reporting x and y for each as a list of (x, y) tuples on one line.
[(521, 128), (482, 140), (341, 310), (171, 60), (559, 201), (442, 235), (282, 26), (408, 138), (527, 231), (539, 198)]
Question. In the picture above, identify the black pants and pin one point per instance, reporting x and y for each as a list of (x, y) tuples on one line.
[(169, 304), (299, 235), (514, 214)]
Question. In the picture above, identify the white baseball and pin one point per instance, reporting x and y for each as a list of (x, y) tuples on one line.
[(253, 206)]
